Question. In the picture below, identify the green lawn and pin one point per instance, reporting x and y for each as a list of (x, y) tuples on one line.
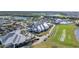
[(54, 40)]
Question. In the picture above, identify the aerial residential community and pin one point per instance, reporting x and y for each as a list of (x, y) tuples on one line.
[(42, 29)]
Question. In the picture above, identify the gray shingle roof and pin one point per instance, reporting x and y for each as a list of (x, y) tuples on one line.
[(13, 37)]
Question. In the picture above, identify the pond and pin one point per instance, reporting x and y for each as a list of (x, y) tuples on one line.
[(77, 34)]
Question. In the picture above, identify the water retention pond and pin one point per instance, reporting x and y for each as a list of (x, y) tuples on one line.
[(77, 34)]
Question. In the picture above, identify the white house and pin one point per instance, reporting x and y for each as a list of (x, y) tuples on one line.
[(62, 21), (39, 27), (13, 38)]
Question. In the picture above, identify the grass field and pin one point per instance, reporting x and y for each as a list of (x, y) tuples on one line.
[(54, 40)]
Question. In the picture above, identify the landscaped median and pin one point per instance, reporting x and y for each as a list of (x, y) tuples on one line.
[(63, 36)]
